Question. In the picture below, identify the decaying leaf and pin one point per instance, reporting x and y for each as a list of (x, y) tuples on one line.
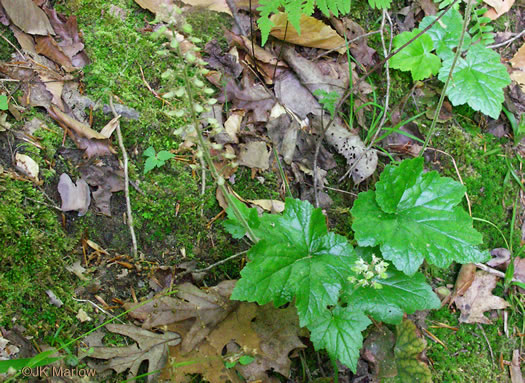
[(314, 33), (499, 7), (82, 316), (478, 299), (74, 197), (515, 371), (210, 324), (255, 155), (378, 350), (359, 49), (77, 269), (408, 349), (27, 165), (163, 9), (212, 5), (466, 276), (253, 98), (151, 347), (518, 65), (28, 17)]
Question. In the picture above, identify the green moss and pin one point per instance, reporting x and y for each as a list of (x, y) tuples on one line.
[(467, 357), (34, 249)]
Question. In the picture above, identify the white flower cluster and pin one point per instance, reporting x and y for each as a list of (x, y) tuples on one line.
[(375, 270)]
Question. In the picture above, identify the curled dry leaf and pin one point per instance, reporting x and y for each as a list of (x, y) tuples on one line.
[(27, 165), (314, 33), (478, 299), (74, 197)]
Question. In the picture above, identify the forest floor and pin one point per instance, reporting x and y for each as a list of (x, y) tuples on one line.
[(62, 275)]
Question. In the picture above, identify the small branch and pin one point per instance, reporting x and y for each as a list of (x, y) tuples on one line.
[(488, 343), (98, 307), (126, 180), (507, 41), (490, 270), (211, 266)]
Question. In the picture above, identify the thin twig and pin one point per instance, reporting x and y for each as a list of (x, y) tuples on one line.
[(348, 42), (98, 307), (468, 12), (211, 266), (490, 270), (126, 180), (235, 14), (316, 156), (507, 41), (488, 343)]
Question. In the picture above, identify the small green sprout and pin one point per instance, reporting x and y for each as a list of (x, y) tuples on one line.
[(155, 160)]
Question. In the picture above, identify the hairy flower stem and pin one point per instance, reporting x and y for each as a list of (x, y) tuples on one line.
[(445, 87), (207, 156)]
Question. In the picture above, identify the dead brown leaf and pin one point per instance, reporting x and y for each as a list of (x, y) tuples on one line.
[(499, 7), (518, 65), (478, 298), (359, 48), (28, 17), (74, 197), (251, 97), (151, 347), (255, 155), (515, 370), (314, 33), (48, 47)]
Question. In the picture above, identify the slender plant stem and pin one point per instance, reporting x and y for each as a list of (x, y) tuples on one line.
[(126, 180), (445, 87), (207, 156)]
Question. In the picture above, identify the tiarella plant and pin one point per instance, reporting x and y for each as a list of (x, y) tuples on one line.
[(411, 217)]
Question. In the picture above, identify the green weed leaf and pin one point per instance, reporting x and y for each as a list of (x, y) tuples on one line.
[(164, 155), (150, 164), (246, 359), (380, 4), (339, 332), (478, 80), (232, 224), (149, 152), (407, 351), (416, 57), (297, 257), (446, 32), (414, 216), (3, 102)]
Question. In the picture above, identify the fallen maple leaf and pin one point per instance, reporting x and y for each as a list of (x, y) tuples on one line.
[(478, 299)]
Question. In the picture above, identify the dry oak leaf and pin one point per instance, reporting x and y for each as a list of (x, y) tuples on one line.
[(478, 299), (314, 33), (264, 332), (150, 346)]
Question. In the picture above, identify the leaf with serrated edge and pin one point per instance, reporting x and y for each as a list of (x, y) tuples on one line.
[(416, 57), (446, 32), (339, 332), (297, 257), (399, 294), (478, 80), (427, 224)]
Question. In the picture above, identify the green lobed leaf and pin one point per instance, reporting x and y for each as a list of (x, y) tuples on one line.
[(380, 4), (409, 346), (399, 294), (339, 332), (477, 80), (233, 225), (149, 152), (296, 257), (446, 32), (426, 224), (416, 57), (164, 155), (150, 164)]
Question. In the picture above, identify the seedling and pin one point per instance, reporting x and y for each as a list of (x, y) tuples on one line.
[(155, 160)]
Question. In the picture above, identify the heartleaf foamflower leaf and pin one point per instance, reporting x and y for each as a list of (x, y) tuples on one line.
[(298, 258), (415, 57), (339, 332), (425, 224), (478, 80)]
